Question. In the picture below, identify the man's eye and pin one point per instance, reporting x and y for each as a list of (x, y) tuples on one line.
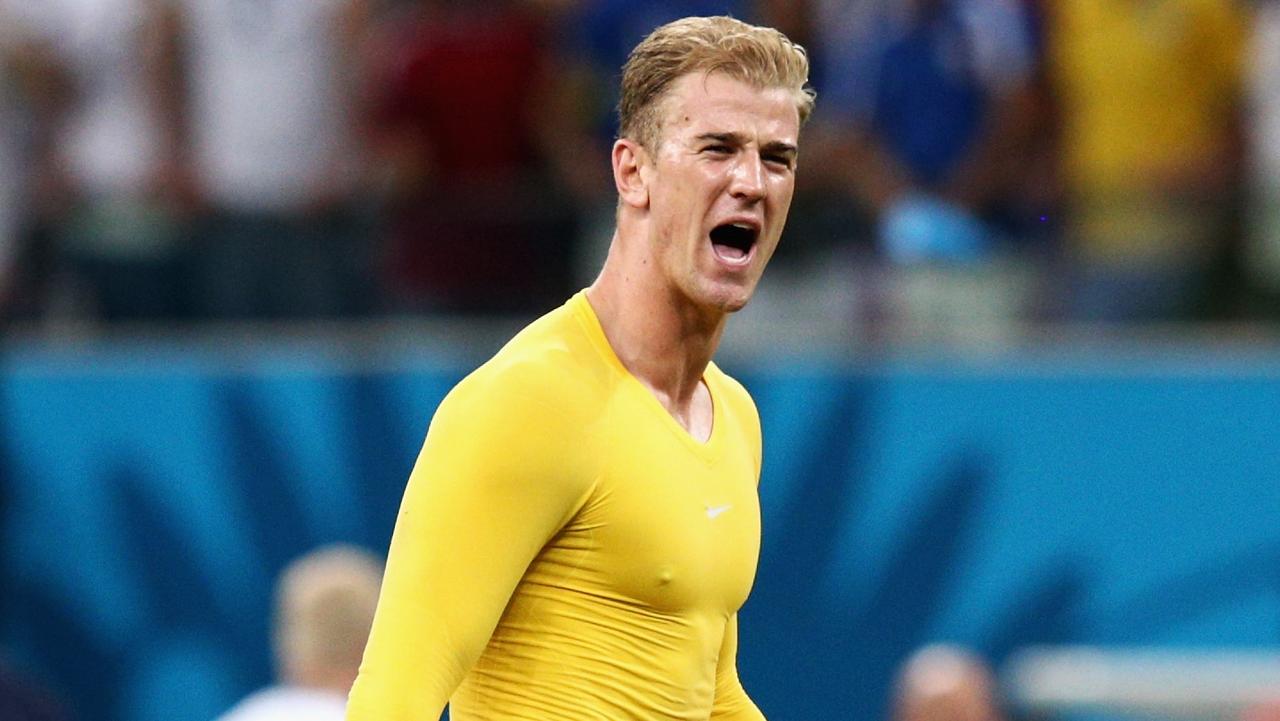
[(782, 160), (718, 149)]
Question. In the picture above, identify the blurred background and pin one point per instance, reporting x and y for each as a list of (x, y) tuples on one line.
[(1017, 358)]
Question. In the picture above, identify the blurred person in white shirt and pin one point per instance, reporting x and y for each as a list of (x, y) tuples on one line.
[(111, 176), (325, 602), (276, 100)]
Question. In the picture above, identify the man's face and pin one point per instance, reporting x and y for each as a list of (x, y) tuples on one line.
[(720, 185)]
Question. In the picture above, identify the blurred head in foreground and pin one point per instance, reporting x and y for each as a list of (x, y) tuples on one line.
[(324, 608), (945, 683)]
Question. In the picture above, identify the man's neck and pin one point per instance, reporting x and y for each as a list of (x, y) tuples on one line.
[(661, 338)]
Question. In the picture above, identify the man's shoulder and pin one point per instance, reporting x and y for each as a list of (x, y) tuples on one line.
[(551, 362), (733, 391)]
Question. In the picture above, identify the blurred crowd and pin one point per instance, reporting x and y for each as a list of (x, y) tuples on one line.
[(1025, 160)]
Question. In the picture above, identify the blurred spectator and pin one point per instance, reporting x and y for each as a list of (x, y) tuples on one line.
[(1149, 101), (927, 114), (945, 683), (108, 177), (1269, 711), (324, 607), (1262, 256), (478, 218), (922, 162), (275, 96), (13, 162)]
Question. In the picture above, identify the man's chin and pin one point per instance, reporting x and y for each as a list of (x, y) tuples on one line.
[(722, 297), (730, 300)]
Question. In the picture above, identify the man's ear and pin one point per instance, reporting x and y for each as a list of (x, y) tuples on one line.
[(629, 160)]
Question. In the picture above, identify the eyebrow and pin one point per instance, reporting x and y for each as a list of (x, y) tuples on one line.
[(780, 147), (776, 146)]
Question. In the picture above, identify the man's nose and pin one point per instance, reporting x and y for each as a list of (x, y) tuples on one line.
[(748, 178)]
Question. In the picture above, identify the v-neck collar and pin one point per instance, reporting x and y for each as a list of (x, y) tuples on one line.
[(707, 449)]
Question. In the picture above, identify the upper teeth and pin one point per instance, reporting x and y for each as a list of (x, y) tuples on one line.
[(744, 226)]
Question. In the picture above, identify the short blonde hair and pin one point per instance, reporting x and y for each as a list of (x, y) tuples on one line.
[(761, 56), (325, 602)]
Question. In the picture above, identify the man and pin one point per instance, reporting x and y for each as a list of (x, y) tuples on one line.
[(931, 108), (275, 95), (108, 185), (582, 524), (470, 130), (324, 606), (1151, 153)]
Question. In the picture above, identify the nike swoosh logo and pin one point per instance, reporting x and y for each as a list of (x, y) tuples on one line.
[(713, 511)]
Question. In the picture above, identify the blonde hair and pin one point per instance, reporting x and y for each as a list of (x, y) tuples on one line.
[(760, 56), (325, 602)]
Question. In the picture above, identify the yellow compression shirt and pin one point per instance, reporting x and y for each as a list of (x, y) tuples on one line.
[(565, 550)]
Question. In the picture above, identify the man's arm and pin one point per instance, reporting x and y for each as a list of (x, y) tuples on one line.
[(493, 483), (732, 702)]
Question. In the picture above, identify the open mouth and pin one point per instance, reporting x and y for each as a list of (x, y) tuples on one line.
[(733, 241)]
